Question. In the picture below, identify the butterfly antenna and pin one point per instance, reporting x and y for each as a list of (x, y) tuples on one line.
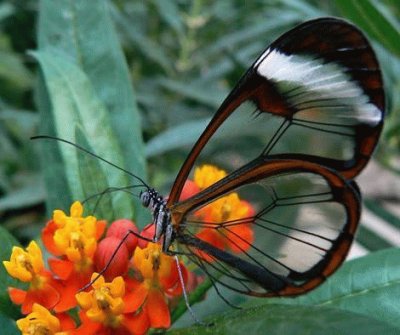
[(47, 137)]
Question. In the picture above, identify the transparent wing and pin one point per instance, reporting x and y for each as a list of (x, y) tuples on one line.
[(276, 227), (314, 94)]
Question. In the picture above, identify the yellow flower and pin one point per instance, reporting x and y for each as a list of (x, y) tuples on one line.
[(25, 265), (76, 236), (157, 279), (207, 175), (74, 243), (104, 303), (152, 262), (76, 211), (88, 223), (39, 322)]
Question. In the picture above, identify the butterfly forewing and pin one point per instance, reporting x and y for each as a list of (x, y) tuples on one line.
[(321, 80), (298, 231)]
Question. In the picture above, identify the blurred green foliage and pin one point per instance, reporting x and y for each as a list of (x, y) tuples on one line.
[(183, 56)]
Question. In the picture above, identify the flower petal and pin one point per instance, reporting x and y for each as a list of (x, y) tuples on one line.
[(157, 310), (39, 321), (36, 256), (171, 279), (207, 175), (100, 227), (189, 189), (66, 321), (48, 238), (137, 324), (174, 288), (17, 296), (135, 297), (76, 209), (240, 238), (88, 327), (84, 299), (67, 299), (62, 268), (47, 296), (212, 237)]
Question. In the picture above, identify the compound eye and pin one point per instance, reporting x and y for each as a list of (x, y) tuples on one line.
[(145, 198)]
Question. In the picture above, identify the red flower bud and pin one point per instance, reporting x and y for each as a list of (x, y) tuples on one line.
[(148, 233), (120, 228), (105, 250)]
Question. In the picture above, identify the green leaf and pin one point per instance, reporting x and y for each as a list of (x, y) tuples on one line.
[(54, 172), (176, 137), (6, 10), (169, 12), (281, 319), (7, 241), (28, 195), (369, 285), (8, 325), (13, 69), (83, 33), (371, 240), (383, 213), (188, 132), (94, 182), (368, 16), (206, 95), (258, 30), (75, 104), (147, 46)]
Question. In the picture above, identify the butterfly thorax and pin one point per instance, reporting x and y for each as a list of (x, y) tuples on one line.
[(161, 216)]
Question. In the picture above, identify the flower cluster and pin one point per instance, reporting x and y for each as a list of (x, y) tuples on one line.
[(119, 301), (138, 282)]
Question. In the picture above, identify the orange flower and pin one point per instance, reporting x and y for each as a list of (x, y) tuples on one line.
[(106, 310), (159, 278), (41, 321), (28, 266), (74, 239), (237, 234)]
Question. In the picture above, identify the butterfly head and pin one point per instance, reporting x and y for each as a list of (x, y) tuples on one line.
[(146, 197)]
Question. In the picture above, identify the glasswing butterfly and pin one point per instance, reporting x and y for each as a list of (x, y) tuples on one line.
[(318, 87), (311, 110)]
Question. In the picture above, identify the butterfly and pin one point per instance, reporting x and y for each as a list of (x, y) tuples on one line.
[(311, 110), (321, 84)]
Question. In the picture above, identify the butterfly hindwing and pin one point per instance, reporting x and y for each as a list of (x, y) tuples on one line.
[(299, 230)]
